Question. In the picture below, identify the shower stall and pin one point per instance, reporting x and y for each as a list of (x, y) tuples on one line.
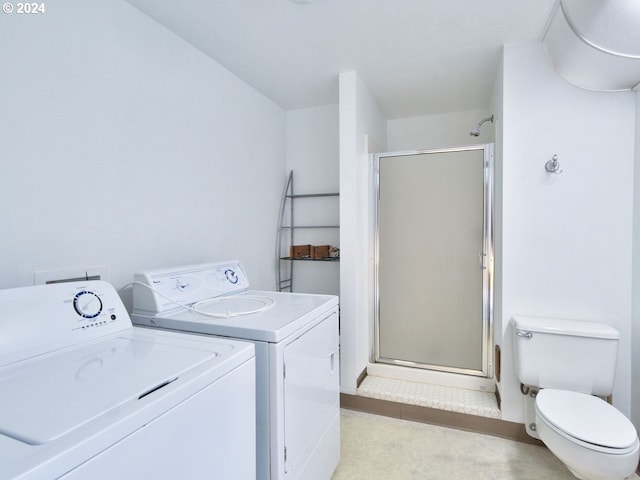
[(434, 259)]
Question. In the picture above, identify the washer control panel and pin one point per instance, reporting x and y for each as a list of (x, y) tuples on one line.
[(159, 291), (42, 318)]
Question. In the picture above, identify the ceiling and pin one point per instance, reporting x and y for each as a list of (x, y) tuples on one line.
[(417, 57)]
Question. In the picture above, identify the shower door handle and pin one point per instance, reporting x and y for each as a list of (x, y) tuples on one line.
[(481, 257)]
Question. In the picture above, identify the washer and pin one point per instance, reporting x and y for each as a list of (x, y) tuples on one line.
[(84, 394), (297, 357)]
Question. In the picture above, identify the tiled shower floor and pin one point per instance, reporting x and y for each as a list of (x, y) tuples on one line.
[(453, 399)]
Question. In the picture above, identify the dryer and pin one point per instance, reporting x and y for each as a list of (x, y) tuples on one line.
[(297, 357), (84, 394)]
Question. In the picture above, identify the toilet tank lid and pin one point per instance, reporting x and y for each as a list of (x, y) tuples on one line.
[(563, 326)]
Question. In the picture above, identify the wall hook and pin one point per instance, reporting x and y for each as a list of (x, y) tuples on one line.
[(553, 165)]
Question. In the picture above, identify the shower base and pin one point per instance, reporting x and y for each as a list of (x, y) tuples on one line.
[(449, 398)]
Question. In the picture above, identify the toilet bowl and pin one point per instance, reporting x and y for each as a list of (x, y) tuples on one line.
[(591, 437)]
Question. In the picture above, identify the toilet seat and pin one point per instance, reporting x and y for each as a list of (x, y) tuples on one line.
[(586, 419)]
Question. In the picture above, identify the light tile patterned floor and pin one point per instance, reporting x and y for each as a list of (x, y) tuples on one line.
[(435, 396)]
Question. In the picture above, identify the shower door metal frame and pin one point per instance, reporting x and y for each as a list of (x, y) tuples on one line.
[(486, 263)]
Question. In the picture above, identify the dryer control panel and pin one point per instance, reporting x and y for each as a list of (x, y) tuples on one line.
[(164, 290)]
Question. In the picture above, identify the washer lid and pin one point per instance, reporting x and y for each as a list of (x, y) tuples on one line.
[(586, 418), (48, 397)]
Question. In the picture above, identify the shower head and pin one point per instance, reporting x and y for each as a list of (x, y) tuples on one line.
[(476, 131)]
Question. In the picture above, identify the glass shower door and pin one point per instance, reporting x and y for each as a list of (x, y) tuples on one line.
[(433, 250)]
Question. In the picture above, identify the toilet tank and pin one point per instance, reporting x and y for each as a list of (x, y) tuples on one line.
[(574, 355)]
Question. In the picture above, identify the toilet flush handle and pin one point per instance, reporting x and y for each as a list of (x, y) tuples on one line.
[(524, 333)]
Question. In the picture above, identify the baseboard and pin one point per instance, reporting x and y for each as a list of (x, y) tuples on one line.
[(460, 421), (361, 378), (498, 398)]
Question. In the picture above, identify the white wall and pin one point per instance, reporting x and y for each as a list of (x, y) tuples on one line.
[(361, 124), (124, 146), (313, 156), (635, 339), (313, 148), (438, 131), (497, 107), (566, 239)]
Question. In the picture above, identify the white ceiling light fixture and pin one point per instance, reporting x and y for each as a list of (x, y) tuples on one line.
[(595, 44), (302, 2)]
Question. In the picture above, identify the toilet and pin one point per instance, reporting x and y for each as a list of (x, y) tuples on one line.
[(565, 368)]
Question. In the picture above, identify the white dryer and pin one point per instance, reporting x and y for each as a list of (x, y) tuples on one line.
[(85, 395), (297, 357)]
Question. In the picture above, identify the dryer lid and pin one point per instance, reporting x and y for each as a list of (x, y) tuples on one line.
[(586, 418)]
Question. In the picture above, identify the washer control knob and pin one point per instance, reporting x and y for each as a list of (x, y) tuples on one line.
[(87, 304)]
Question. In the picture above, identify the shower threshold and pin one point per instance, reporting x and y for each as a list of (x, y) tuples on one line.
[(433, 377), (449, 398)]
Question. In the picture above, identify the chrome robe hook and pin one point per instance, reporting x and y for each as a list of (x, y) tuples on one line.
[(553, 165)]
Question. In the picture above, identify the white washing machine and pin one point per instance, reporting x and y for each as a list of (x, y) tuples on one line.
[(297, 363), (85, 395)]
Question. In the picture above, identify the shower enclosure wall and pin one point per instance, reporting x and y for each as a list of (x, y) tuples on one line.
[(434, 259)]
